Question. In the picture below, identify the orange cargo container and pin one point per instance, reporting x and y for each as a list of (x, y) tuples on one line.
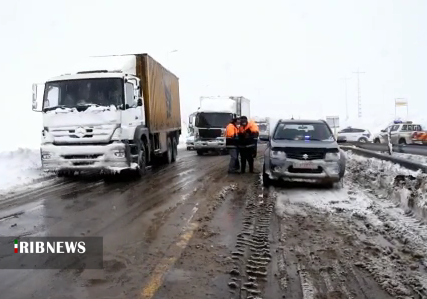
[(160, 89)]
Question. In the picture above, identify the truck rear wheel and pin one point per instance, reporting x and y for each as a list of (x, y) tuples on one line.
[(169, 152), (174, 149)]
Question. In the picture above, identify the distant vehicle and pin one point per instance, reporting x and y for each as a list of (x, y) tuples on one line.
[(118, 117), (303, 149), (402, 133), (350, 134), (190, 143), (263, 126), (212, 118)]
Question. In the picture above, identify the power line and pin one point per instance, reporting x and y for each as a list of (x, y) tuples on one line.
[(359, 97)]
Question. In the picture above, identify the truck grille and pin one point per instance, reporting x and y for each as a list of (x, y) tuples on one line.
[(82, 156), (305, 153), (209, 133)]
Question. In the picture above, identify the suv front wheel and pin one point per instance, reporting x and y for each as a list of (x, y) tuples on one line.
[(266, 181)]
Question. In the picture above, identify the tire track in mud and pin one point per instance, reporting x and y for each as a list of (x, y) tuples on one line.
[(252, 255), (321, 254)]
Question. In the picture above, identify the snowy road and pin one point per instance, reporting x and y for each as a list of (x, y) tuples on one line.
[(191, 231)]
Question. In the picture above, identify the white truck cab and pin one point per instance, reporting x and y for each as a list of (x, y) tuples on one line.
[(212, 118), (97, 120)]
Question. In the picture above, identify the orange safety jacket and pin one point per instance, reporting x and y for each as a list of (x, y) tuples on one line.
[(248, 135), (231, 135)]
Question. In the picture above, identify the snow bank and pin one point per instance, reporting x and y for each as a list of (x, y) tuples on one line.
[(389, 181), (19, 167)]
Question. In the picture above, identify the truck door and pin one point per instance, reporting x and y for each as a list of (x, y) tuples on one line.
[(133, 115)]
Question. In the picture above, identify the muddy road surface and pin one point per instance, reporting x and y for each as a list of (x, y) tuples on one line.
[(190, 230)]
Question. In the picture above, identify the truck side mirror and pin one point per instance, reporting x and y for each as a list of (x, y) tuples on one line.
[(37, 100)]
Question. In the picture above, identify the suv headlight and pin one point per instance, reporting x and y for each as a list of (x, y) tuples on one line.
[(278, 154), (332, 156)]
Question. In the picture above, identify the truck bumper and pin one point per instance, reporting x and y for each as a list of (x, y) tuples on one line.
[(85, 157), (214, 144)]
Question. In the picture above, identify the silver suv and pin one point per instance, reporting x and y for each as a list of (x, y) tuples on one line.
[(303, 149)]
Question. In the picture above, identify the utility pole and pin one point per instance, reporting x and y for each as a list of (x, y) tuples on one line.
[(359, 97), (346, 100)]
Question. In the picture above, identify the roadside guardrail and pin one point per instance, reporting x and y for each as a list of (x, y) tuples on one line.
[(398, 148), (375, 154)]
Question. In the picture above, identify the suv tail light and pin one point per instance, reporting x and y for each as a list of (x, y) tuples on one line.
[(414, 135)]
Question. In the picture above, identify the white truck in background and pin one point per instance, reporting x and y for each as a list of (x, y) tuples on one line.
[(116, 113), (213, 116), (263, 126)]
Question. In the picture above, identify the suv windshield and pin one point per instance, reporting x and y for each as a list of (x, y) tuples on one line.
[(303, 131), (213, 120), (74, 93)]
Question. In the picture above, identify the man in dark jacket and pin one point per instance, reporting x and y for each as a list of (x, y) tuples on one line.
[(231, 142), (248, 139)]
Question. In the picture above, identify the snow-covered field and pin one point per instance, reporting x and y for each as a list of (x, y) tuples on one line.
[(19, 167)]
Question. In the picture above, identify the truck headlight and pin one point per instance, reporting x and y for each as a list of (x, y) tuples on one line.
[(278, 154), (332, 156), (223, 133), (46, 155)]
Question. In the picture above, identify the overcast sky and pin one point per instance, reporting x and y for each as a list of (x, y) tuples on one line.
[(288, 57)]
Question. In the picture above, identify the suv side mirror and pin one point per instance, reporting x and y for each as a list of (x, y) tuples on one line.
[(139, 102)]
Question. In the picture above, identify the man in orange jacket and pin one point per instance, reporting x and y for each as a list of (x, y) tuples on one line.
[(231, 142), (248, 138)]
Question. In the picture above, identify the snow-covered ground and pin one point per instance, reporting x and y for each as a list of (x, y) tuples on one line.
[(378, 217), (19, 167), (22, 166)]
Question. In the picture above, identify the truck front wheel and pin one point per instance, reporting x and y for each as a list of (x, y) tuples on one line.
[(142, 159)]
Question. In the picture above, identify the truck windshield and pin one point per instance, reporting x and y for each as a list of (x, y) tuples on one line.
[(262, 127), (83, 92), (303, 131), (213, 120)]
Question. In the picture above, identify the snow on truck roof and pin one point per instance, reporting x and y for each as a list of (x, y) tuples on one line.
[(100, 67)]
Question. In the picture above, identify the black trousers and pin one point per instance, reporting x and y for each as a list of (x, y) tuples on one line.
[(246, 155)]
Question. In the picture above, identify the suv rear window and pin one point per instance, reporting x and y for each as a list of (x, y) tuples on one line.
[(303, 131)]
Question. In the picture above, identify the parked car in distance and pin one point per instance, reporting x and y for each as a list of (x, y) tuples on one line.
[(190, 143), (350, 134), (402, 133), (303, 149)]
